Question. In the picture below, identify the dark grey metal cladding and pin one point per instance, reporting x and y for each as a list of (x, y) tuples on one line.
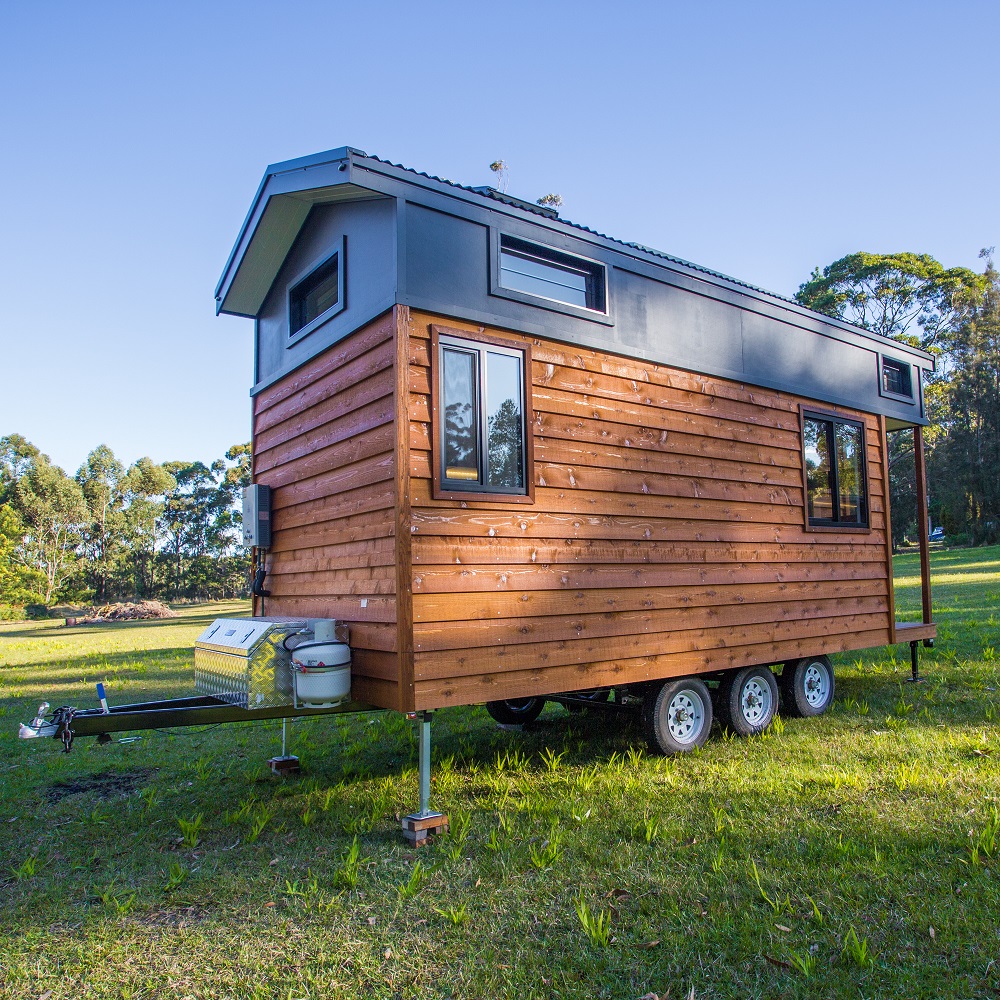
[(368, 230), (430, 244), (664, 317)]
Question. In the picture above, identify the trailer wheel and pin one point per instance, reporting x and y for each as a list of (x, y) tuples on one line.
[(515, 711), (807, 686), (748, 700), (677, 717)]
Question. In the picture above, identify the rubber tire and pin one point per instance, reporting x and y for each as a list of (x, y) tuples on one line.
[(794, 677), (655, 719), (515, 711), (730, 700)]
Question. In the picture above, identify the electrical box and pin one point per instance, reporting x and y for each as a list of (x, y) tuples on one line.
[(257, 516)]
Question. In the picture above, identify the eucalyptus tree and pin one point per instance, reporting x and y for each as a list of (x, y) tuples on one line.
[(901, 296)]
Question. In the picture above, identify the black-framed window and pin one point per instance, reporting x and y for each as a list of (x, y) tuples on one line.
[(546, 273), (896, 378), (836, 483), (482, 419), (317, 295)]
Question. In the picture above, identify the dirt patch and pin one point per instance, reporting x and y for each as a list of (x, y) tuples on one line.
[(106, 785)]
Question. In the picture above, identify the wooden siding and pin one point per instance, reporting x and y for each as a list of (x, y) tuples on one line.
[(667, 537), (325, 440)]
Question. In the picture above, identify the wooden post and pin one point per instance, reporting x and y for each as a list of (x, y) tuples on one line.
[(925, 558), (890, 585)]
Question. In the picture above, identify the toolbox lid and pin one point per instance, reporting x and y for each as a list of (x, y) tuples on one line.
[(236, 635)]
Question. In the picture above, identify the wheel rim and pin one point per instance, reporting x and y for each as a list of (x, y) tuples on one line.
[(685, 716), (816, 685), (756, 702)]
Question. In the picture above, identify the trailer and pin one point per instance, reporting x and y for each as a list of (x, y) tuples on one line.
[(523, 461)]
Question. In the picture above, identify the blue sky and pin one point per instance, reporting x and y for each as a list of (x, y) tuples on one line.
[(757, 139)]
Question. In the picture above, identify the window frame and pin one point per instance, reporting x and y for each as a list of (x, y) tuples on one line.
[(821, 525), (902, 397), (327, 314), (603, 316), (442, 489)]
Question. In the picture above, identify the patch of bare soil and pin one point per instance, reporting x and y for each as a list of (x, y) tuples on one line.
[(106, 785), (128, 612)]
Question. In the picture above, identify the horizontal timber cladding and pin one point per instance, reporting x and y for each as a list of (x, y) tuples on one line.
[(325, 441), (667, 536)]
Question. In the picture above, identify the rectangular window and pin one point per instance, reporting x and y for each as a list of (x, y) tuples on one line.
[(896, 378), (549, 274), (317, 296), (481, 417), (836, 487)]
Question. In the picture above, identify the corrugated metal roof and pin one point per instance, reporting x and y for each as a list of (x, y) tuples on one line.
[(550, 214)]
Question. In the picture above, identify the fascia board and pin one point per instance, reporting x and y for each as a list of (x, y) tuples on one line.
[(288, 176)]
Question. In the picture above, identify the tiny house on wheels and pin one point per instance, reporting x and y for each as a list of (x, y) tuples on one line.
[(519, 460)]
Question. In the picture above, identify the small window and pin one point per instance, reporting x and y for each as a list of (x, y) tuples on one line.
[(896, 378), (481, 423), (836, 488), (317, 296), (548, 274)]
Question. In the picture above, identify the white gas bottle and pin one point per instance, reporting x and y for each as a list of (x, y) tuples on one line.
[(322, 668)]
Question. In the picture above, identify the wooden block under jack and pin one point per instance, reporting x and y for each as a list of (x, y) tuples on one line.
[(284, 765), (419, 829)]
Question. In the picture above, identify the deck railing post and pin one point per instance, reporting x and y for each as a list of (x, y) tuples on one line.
[(922, 531)]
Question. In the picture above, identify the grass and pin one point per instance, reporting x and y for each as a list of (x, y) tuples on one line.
[(857, 854)]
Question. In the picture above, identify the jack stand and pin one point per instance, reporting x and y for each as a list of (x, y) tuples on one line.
[(284, 764), (420, 826), (914, 677)]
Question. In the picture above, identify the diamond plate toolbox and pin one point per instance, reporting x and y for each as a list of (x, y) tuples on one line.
[(243, 661)]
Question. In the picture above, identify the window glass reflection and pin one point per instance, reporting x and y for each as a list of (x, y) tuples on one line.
[(818, 479), (850, 485), (461, 413), (504, 421)]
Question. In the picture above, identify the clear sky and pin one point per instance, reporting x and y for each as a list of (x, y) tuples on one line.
[(758, 139)]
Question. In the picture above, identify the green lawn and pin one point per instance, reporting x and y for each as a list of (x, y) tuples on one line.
[(854, 855)]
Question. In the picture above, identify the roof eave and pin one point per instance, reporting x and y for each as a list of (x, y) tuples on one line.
[(257, 208)]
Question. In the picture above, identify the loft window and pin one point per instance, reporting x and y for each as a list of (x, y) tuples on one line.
[(480, 422), (545, 273), (316, 296), (896, 378), (836, 488)]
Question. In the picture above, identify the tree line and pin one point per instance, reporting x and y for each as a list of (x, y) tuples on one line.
[(170, 531), (954, 313)]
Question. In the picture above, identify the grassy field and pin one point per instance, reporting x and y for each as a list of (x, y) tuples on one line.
[(854, 855)]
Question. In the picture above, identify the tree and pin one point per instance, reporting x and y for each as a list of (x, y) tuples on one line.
[(966, 462), (147, 485), (889, 293), (200, 522), (19, 584), (53, 511), (104, 486), (16, 455)]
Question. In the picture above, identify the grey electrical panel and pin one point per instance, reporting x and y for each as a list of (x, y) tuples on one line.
[(257, 516)]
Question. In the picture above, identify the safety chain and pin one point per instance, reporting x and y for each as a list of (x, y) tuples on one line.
[(62, 717)]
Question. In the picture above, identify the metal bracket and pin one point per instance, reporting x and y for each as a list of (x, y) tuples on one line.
[(420, 826)]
